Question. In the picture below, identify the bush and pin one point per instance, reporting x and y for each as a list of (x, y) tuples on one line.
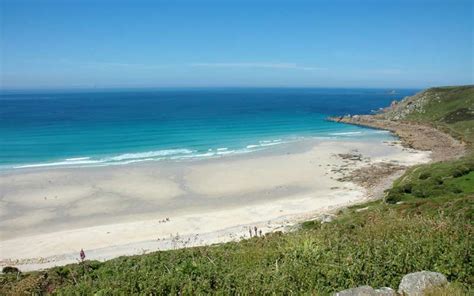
[(461, 171), (393, 197), (10, 269)]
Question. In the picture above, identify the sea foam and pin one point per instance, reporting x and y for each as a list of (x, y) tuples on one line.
[(149, 154)]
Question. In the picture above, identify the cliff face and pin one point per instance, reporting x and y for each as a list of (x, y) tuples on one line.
[(400, 110)]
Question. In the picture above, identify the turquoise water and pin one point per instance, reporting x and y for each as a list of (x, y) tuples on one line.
[(90, 128)]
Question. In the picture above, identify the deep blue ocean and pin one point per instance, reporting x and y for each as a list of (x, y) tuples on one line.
[(81, 128)]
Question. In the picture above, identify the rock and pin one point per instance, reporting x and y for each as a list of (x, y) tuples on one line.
[(326, 218), (385, 291), (359, 291), (413, 284)]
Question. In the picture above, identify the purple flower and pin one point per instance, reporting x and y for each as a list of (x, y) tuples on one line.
[(82, 254)]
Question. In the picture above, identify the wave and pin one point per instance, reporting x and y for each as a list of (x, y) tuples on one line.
[(149, 154), (126, 158), (69, 162), (345, 133), (367, 132), (183, 153), (166, 154), (270, 144), (77, 158), (382, 132)]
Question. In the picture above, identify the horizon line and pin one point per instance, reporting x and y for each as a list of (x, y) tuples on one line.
[(92, 88)]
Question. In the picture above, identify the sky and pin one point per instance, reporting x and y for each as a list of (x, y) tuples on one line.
[(114, 44)]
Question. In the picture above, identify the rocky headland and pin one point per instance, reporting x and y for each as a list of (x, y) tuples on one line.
[(416, 135)]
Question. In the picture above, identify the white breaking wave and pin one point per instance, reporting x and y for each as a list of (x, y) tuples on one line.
[(148, 154), (368, 132), (345, 134), (77, 158), (183, 154), (199, 155), (265, 143), (59, 163), (270, 144), (166, 154), (126, 158), (382, 132), (226, 152)]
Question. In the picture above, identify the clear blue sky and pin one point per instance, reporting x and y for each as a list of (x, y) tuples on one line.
[(82, 44)]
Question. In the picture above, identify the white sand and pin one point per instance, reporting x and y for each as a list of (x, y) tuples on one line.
[(47, 216)]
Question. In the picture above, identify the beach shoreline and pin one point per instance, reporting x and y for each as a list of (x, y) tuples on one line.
[(413, 135), (48, 215)]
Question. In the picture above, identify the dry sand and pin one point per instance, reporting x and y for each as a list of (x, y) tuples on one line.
[(48, 215)]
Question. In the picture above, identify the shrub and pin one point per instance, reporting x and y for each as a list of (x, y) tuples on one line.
[(393, 197), (461, 171), (10, 269)]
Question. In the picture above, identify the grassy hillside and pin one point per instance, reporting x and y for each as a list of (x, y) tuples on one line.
[(451, 109), (444, 179), (448, 108), (425, 223)]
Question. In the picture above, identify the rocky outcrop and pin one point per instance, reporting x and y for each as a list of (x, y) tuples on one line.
[(417, 136), (414, 284), (400, 110)]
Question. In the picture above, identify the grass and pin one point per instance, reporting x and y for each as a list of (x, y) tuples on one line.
[(424, 223), (449, 290), (450, 109), (448, 179)]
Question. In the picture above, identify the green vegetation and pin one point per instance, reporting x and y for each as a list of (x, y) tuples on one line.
[(425, 223), (444, 179), (450, 109), (450, 290)]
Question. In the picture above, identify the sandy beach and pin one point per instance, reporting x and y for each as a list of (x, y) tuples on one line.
[(48, 215)]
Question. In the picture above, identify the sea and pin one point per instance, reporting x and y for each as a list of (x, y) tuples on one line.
[(77, 128)]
